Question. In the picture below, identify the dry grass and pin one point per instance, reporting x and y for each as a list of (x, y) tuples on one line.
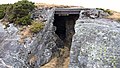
[(33, 59), (66, 62), (59, 62), (115, 16), (44, 5), (51, 64), (24, 32)]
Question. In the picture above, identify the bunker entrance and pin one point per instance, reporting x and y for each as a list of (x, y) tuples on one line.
[(65, 27)]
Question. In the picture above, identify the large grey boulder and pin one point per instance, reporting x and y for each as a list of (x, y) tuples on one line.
[(95, 44), (33, 52)]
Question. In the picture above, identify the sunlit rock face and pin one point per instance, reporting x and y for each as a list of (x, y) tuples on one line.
[(95, 44), (33, 52)]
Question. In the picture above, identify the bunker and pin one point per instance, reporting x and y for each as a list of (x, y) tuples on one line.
[(64, 20)]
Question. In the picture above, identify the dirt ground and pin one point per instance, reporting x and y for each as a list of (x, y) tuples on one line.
[(62, 61)]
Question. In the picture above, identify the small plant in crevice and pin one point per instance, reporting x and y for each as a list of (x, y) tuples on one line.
[(35, 27)]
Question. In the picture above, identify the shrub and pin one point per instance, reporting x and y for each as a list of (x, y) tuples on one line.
[(26, 20), (2, 14), (36, 27), (3, 9), (18, 13), (106, 10), (109, 11)]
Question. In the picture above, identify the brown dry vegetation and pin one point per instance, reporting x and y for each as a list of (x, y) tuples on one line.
[(24, 32), (115, 16), (44, 5), (62, 61), (33, 59)]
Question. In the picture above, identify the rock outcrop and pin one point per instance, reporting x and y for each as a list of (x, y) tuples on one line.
[(33, 52), (96, 43)]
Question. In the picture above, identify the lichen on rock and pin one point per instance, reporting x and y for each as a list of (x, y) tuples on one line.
[(95, 44)]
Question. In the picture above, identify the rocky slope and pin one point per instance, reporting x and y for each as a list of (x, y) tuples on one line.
[(33, 52)]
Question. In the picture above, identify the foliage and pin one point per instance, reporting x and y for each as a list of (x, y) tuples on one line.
[(3, 10), (23, 20), (109, 11), (1, 14), (106, 10), (36, 27), (19, 12)]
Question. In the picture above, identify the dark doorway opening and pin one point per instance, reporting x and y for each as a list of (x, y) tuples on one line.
[(65, 27), (60, 24)]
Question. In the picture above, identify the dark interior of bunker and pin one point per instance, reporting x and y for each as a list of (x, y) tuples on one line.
[(65, 27)]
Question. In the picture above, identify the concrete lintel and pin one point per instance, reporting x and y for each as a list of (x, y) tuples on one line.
[(69, 10)]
